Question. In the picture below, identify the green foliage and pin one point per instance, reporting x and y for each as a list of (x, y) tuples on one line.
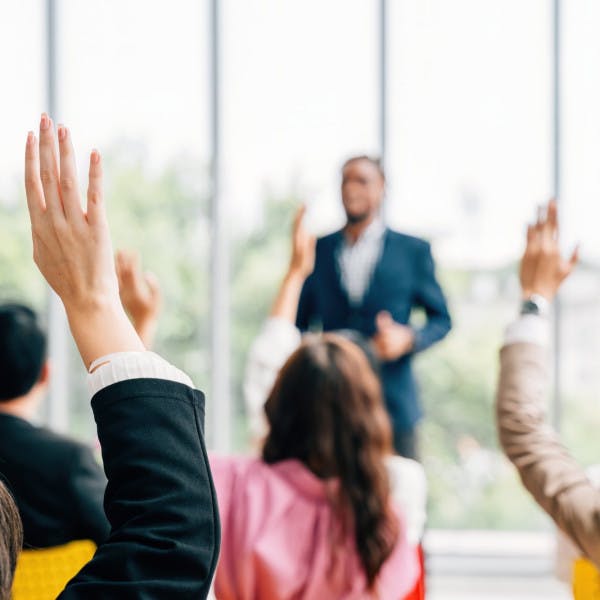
[(259, 261), (19, 277)]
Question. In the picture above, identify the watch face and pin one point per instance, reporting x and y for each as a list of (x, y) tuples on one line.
[(529, 307)]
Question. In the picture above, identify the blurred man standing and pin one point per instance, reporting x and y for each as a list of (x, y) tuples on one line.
[(368, 278)]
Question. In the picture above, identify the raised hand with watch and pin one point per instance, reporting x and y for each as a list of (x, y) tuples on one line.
[(543, 269)]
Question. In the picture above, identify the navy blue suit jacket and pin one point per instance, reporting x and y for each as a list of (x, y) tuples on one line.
[(404, 278)]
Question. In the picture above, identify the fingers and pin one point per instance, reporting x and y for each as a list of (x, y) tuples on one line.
[(95, 206), (33, 184), (68, 176), (299, 215), (383, 320), (153, 283), (298, 220), (574, 256), (550, 225), (49, 173)]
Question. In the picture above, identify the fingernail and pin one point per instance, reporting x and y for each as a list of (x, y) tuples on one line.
[(62, 133), (30, 138), (44, 122), (95, 156)]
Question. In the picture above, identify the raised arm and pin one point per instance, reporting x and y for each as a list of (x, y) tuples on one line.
[(159, 500), (72, 248), (278, 337), (554, 478), (140, 294)]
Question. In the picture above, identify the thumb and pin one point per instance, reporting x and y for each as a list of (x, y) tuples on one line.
[(383, 320)]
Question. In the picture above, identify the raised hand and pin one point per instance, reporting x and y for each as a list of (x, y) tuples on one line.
[(543, 269), (303, 247), (72, 248), (392, 340), (140, 294)]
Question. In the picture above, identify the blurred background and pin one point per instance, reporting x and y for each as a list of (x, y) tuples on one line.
[(217, 117)]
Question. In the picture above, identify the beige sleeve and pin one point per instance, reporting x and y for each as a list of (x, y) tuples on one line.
[(557, 482)]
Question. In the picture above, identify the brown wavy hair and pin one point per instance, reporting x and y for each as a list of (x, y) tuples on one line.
[(326, 410), (11, 541)]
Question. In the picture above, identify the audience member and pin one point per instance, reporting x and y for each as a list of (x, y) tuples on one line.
[(369, 278), (279, 338), (56, 482), (159, 501), (314, 517), (556, 481)]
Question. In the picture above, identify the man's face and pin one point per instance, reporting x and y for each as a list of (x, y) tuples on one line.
[(362, 190)]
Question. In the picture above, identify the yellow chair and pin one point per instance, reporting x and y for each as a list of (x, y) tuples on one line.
[(42, 574), (586, 580)]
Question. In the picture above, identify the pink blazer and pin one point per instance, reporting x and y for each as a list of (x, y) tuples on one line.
[(277, 525)]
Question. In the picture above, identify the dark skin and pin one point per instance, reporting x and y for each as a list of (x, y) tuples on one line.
[(363, 187)]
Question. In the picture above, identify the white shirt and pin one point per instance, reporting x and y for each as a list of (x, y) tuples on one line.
[(357, 261)]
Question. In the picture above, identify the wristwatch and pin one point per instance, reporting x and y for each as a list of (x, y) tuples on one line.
[(536, 304)]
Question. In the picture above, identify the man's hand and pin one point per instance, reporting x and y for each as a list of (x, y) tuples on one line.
[(392, 340), (302, 262), (543, 269), (72, 248), (140, 294)]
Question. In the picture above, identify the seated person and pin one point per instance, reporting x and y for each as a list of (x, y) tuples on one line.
[(554, 478), (56, 482), (314, 516), (160, 502), (279, 338)]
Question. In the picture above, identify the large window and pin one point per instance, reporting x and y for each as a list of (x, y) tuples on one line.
[(469, 129), (135, 85), (296, 102)]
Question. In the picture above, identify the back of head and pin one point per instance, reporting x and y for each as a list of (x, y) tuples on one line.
[(11, 541), (326, 410), (22, 350)]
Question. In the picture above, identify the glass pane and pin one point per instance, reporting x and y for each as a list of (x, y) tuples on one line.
[(22, 35), (469, 157), (299, 96), (580, 198), (135, 86)]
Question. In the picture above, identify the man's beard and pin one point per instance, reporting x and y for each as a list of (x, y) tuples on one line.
[(354, 219)]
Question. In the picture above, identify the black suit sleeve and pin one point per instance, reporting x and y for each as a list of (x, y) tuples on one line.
[(306, 305), (430, 297), (86, 489), (160, 499)]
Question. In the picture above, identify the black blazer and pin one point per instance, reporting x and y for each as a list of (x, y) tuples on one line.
[(404, 278), (160, 499), (57, 484)]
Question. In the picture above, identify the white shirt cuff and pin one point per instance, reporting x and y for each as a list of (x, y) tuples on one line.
[(121, 366), (530, 329)]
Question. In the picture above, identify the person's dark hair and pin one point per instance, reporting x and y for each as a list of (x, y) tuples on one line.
[(326, 410), (364, 343), (11, 540), (374, 160), (22, 350)]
